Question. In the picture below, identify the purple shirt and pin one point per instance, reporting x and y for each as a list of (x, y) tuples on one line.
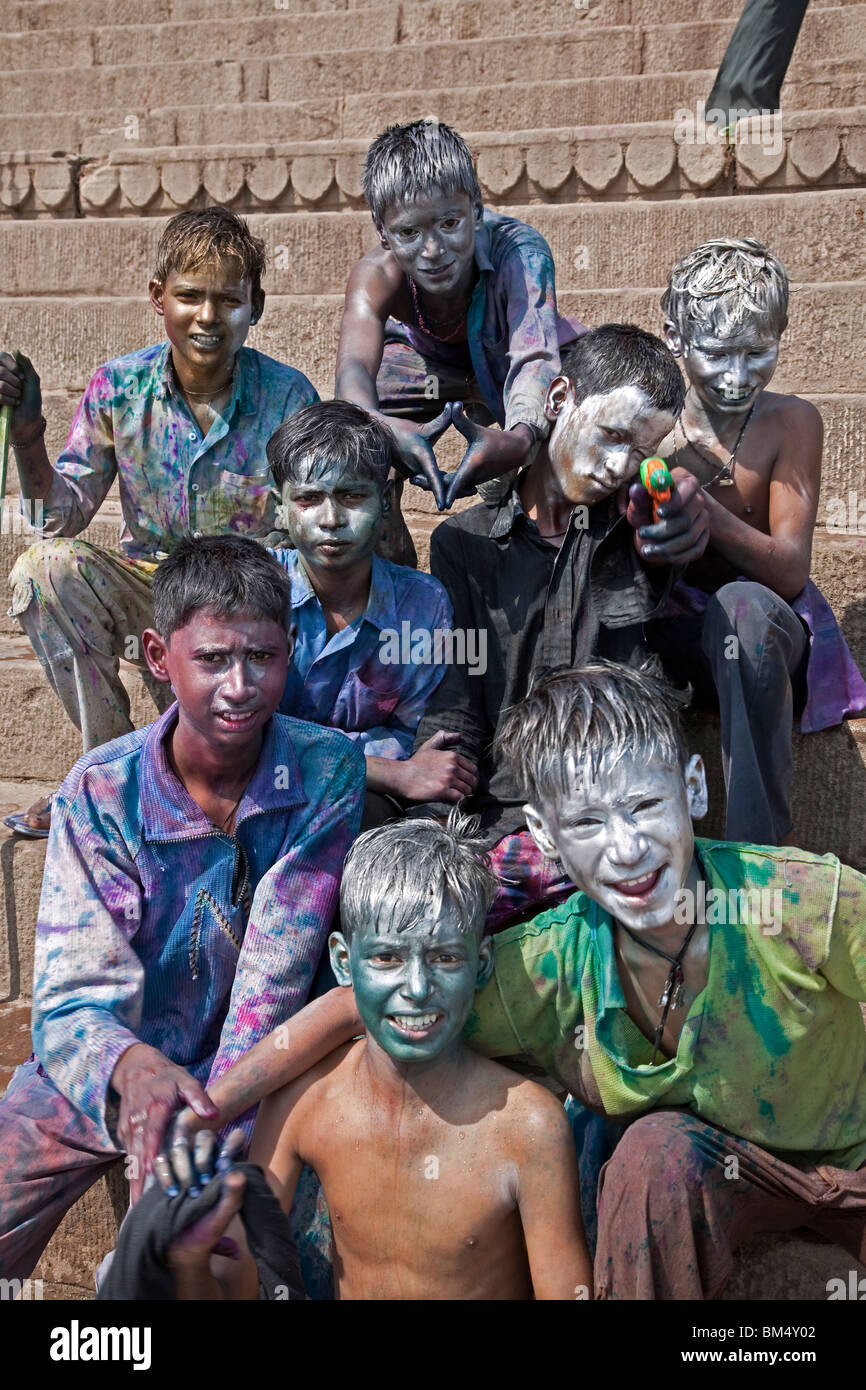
[(134, 424), (155, 926)]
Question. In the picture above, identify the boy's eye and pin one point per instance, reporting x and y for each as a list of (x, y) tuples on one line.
[(649, 805), (260, 657), (615, 436), (385, 957)]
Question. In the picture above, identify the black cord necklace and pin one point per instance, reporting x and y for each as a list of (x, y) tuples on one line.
[(724, 474), (671, 996)]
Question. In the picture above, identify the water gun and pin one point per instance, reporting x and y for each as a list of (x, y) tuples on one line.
[(656, 478), (5, 425)]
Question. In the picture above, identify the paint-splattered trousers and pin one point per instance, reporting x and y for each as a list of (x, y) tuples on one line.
[(84, 608), (748, 652), (678, 1196), (528, 882), (50, 1154), (413, 387)]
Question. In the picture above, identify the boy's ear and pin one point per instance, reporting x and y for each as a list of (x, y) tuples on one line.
[(292, 641), (156, 291), (478, 213), (485, 962), (258, 307), (673, 338), (380, 233), (155, 650), (557, 395), (338, 950), (695, 778), (387, 496), (538, 829)]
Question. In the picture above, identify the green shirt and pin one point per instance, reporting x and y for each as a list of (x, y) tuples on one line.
[(773, 1049)]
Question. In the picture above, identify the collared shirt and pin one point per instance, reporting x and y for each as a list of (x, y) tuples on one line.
[(134, 424), (373, 679), (773, 1048), (156, 926), (513, 329), (541, 607)]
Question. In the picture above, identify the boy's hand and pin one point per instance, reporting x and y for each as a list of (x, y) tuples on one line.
[(683, 529), (150, 1089), (189, 1254), (19, 387), (490, 454), (415, 444), (436, 772)]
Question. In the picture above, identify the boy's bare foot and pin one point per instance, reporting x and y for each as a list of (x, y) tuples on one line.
[(35, 822)]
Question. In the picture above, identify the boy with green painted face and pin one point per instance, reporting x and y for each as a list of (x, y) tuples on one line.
[(446, 1175)]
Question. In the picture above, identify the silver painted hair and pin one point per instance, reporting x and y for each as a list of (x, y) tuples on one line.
[(399, 875), (407, 161), (730, 281), (573, 721)]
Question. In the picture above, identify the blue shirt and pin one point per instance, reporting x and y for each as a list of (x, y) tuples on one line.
[(351, 680)]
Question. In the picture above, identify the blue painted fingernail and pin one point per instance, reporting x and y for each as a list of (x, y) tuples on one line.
[(173, 1192), (649, 550)]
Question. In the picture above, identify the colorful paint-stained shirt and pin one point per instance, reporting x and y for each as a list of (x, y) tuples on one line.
[(373, 679), (133, 423), (773, 1049), (155, 926), (514, 331)]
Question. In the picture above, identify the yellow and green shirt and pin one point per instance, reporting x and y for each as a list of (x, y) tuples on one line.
[(774, 1047)]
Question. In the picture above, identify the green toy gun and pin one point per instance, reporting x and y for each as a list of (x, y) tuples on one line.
[(656, 478), (5, 425)]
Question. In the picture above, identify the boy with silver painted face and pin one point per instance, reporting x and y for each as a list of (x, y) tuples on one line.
[(331, 462), (747, 626), (446, 1175), (452, 319)]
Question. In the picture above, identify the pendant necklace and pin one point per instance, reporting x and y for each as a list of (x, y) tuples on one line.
[(671, 996), (443, 323), (724, 474)]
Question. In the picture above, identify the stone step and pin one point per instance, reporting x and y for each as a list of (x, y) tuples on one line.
[(570, 166), (146, 111), (596, 246), (331, 39), (67, 338), (461, 20)]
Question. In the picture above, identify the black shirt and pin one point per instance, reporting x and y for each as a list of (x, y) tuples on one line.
[(541, 607)]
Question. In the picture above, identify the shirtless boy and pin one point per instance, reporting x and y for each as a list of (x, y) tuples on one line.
[(757, 454), (446, 1175), (456, 305)]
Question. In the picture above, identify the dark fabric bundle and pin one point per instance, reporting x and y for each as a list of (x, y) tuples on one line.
[(754, 66), (139, 1270)]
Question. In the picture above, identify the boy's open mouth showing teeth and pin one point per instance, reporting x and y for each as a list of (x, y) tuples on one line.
[(638, 887), (242, 718), (414, 1023)]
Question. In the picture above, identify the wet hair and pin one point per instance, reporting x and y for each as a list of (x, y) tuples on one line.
[(619, 354), (409, 161), (331, 432), (227, 574), (572, 722), (195, 239), (400, 875), (728, 280)]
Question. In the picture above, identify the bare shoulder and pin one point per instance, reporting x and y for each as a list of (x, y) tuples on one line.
[(377, 277), (312, 1088), (530, 1107), (789, 412)]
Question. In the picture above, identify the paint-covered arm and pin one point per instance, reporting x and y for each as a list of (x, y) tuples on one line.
[(845, 966), (290, 917), (549, 1202), (88, 980), (457, 705), (526, 278), (87, 465), (291, 1049)]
